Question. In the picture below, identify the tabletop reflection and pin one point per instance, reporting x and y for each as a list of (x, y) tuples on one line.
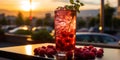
[(28, 49)]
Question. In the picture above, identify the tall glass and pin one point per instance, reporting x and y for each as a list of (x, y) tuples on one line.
[(65, 30)]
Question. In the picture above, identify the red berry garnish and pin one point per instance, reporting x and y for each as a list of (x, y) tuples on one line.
[(50, 52), (67, 40), (42, 52), (99, 54), (86, 53), (77, 55), (84, 56), (36, 51), (71, 35), (50, 46), (83, 53), (43, 47), (90, 47), (69, 55), (101, 50), (64, 34), (91, 55), (77, 49), (85, 47), (93, 50)]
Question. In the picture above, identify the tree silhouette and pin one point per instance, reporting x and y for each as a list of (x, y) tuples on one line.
[(19, 20), (80, 23), (27, 21), (3, 21), (93, 22), (108, 15), (39, 22)]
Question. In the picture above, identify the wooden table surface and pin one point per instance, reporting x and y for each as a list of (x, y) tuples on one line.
[(27, 50)]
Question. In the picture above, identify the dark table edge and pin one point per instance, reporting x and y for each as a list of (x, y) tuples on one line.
[(99, 45), (16, 56)]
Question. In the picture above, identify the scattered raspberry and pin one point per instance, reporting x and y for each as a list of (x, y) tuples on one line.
[(83, 53), (69, 54), (99, 54), (91, 55), (90, 47), (93, 50), (71, 35), (43, 47), (50, 46), (85, 47), (50, 51), (101, 50), (42, 52), (36, 51)]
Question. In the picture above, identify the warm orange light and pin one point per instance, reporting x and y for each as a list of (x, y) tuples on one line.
[(26, 6), (24, 27)]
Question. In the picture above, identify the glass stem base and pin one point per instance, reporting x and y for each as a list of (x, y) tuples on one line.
[(61, 56)]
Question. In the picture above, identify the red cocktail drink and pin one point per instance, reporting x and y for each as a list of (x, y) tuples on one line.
[(65, 29)]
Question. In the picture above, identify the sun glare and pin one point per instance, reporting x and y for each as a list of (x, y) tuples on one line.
[(26, 6)]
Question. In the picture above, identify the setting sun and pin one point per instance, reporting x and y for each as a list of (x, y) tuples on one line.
[(26, 6)]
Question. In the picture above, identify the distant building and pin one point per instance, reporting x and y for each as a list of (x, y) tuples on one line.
[(118, 9), (48, 19), (11, 19), (88, 13), (34, 20), (2, 15), (47, 15)]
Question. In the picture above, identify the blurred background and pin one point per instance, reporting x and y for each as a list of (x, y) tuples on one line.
[(27, 17)]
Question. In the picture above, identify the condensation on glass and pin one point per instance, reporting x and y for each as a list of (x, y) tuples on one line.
[(65, 30)]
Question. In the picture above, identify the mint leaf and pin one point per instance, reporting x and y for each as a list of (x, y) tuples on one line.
[(75, 5), (72, 1), (77, 1), (81, 4)]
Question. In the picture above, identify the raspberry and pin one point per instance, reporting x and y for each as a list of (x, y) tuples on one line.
[(42, 52), (50, 46), (64, 34), (69, 55), (69, 47), (36, 51), (99, 54), (43, 47), (90, 47), (85, 53), (71, 35), (93, 50), (101, 50), (91, 55), (77, 49), (50, 52), (85, 47), (77, 55), (83, 56), (67, 40)]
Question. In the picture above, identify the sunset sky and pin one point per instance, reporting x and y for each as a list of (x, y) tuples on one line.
[(47, 5)]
